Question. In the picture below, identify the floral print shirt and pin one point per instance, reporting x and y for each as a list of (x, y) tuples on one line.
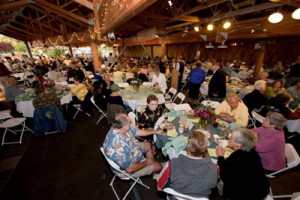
[(123, 149)]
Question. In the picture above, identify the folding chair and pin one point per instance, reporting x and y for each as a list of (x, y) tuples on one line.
[(292, 158), (203, 93), (78, 109), (157, 124), (102, 113), (257, 117), (180, 196), (133, 119), (170, 106), (170, 95), (8, 122), (122, 174)]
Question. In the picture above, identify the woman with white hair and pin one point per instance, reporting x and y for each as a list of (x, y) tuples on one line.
[(242, 172), (271, 143), (256, 99)]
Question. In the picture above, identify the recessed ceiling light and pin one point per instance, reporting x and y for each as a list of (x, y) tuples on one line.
[(275, 18), (210, 27), (296, 14)]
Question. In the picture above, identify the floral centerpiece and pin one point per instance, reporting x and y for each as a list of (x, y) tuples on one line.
[(206, 114), (49, 85), (135, 84)]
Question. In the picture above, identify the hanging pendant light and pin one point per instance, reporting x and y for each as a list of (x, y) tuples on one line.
[(227, 24), (296, 14), (275, 18), (210, 27)]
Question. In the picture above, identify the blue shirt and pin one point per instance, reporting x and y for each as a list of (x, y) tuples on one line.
[(197, 75), (123, 149)]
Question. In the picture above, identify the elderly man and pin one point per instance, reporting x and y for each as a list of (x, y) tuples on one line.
[(121, 146), (294, 90), (14, 89), (217, 83), (194, 174), (233, 110), (159, 80)]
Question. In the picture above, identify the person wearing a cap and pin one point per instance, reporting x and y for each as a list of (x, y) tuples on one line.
[(114, 97)]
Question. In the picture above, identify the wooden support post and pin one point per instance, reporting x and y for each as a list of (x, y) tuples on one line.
[(152, 51), (259, 60), (96, 9), (96, 63), (28, 49), (174, 80), (162, 42)]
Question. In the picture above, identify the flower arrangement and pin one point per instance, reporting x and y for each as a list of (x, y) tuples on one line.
[(207, 115), (49, 83), (135, 85)]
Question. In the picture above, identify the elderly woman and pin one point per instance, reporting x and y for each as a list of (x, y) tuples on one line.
[(256, 99), (232, 110), (271, 144), (194, 174), (242, 172), (274, 89)]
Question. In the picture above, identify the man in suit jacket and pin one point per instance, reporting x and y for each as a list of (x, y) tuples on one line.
[(217, 83)]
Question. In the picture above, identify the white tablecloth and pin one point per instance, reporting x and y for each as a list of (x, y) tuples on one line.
[(293, 125), (139, 100), (27, 109)]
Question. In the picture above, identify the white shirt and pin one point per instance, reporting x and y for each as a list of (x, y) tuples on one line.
[(53, 75), (161, 81)]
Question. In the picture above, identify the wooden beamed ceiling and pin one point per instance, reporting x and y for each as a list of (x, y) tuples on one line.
[(30, 20)]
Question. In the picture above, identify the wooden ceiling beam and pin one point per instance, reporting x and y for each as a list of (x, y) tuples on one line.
[(202, 7), (85, 3), (21, 30), (287, 2), (62, 12), (63, 6), (118, 15), (40, 24), (68, 23), (15, 5)]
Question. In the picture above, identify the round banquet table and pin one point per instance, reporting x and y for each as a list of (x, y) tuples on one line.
[(137, 100), (25, 106)]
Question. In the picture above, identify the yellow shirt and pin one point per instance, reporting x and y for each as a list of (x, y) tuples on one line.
[(80, 91), (240, 114)]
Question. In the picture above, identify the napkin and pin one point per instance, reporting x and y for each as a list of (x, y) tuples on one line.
[(170, 118), (178, 143), (173, 113), (212, 152), (195, 120), (172, 133)]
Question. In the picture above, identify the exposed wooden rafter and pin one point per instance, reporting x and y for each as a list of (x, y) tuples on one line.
[(85, 3)]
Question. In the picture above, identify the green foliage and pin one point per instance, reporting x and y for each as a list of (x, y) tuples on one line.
[(20, 46), (55, 52)]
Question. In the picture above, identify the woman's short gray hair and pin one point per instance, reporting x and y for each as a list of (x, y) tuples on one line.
[(260, 84), (245, 137), (276, 119)]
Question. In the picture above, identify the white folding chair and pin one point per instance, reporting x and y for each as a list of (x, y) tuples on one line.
[(133, 119), (157, 124), (292, 158), (257, 117), (78, 109), (180, 196), (8, 122), (203, 93), (213, 104), (123, 85), (179, 97), (122, 174), (102, 113), (170, 95)]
